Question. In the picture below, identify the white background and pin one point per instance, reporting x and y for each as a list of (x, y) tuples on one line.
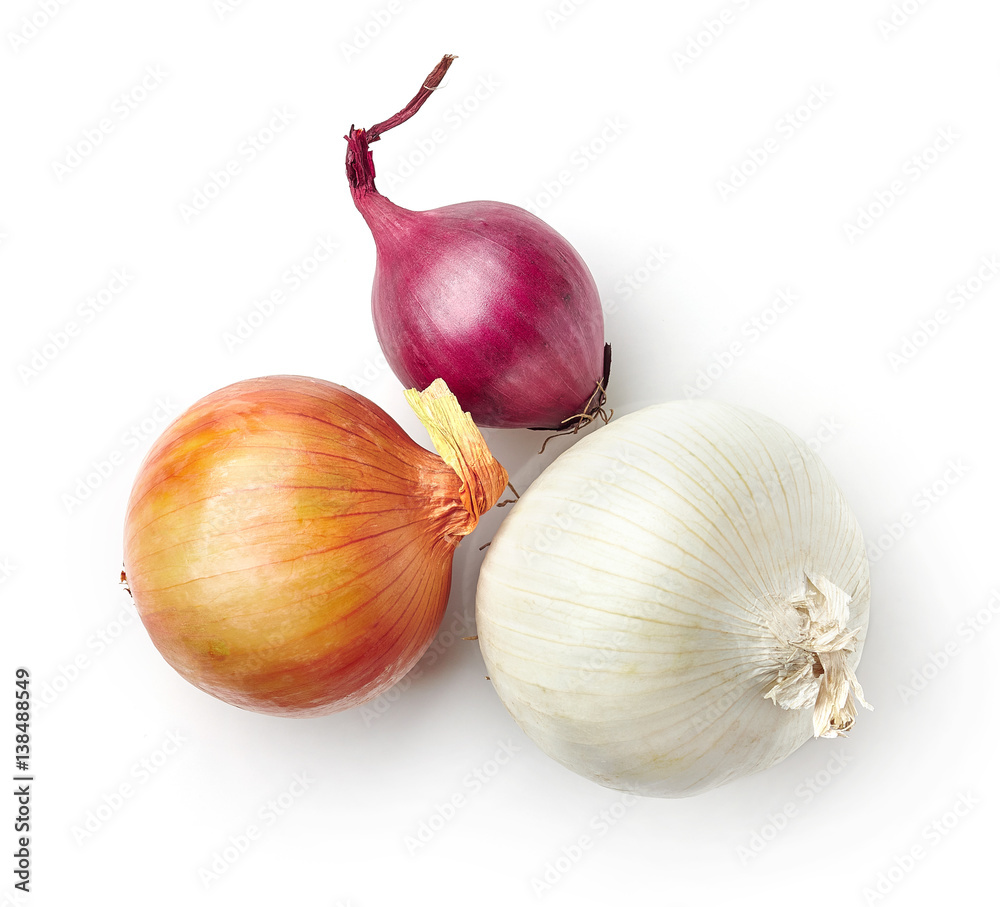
[(645, 139)]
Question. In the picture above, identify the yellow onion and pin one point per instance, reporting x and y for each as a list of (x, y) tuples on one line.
[(289, 547)]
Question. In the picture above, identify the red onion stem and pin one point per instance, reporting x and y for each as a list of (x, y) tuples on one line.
[(360, 167)]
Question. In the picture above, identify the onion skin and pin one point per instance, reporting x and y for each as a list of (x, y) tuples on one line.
[(289, 548), (640, 610), (485, 295)]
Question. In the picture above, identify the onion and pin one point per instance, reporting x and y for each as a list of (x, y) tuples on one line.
[(484, 295), (289, 548), (677, 601)]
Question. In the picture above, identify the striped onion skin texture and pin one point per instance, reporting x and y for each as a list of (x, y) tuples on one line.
[(289, 547), (627, 606)]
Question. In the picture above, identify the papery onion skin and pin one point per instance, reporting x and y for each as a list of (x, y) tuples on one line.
[(289, 547), (626, 605), (486, 296)]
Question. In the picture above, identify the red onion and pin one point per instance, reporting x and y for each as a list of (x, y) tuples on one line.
[(484, 295)]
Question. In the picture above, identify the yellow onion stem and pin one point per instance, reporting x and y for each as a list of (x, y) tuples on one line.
[(462, 446)]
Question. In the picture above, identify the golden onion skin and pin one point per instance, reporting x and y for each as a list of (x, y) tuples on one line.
[(289, 547)]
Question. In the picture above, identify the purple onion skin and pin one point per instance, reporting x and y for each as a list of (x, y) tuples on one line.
[(492, 299)]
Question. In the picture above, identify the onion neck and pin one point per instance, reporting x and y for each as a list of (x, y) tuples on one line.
[(387, 221), (462, 447), (811, 628), (360, 167)]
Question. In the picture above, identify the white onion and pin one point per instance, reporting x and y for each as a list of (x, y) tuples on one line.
[(679, 600)]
